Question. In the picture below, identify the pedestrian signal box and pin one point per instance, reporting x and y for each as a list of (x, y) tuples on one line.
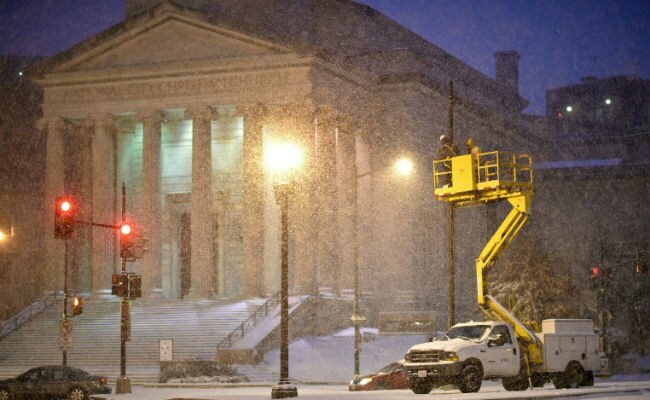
[(127, 285)]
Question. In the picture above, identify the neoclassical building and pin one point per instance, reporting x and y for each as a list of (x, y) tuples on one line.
[(178, 102)]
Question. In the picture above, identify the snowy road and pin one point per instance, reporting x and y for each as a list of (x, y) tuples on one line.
[(636, 390)]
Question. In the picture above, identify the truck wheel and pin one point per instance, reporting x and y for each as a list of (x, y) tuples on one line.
[(515, 383), (470, 379), (559, 381), (574, 375), (589, 379), (571, 378), (420, 386)]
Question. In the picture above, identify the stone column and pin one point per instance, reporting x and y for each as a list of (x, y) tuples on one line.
[(253, 199), (328, 256), (79, 183), (201, 203), (54, 186), (102, 204), (345, 212), (151, 201)]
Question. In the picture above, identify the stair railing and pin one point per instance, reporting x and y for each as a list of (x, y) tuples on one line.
[(25, 315), (259, 314)]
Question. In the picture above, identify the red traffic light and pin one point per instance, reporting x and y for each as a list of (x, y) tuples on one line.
[(125, 229), (595, 271), (127, 240), (65, 206), (64, 217)]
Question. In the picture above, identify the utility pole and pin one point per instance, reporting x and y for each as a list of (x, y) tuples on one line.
[(123, 384), (451, 271), (65, 321)]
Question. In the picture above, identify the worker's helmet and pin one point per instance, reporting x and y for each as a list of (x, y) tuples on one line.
[(443, 139)]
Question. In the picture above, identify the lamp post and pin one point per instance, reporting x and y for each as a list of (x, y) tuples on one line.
[(283, 160), (402, 167)]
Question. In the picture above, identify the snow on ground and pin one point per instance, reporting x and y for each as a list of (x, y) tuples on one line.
[(492, 391), (331, 358)]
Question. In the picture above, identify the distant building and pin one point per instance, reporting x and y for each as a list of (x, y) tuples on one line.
[(592, 185), (178, 102), (608, 107)]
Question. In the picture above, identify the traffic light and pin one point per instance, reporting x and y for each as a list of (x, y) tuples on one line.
[(127, 240), (65, 211), (135, 286), (120, 285), (641, 264), (77, 306), (596, 280)]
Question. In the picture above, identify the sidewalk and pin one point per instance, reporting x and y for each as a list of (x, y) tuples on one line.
[(490, 391)]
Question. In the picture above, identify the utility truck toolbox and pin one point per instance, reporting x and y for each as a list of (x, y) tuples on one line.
[(567, 326), (570, 339)]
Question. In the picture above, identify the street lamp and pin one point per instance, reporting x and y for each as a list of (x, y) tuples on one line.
[(283, 161), (403, 167)]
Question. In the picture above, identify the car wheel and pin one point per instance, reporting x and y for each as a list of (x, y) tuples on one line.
[(421, 386), (470, 379), (77, 394), (5, 394)]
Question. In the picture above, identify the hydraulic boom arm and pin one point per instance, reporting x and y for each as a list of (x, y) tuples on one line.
[(490, 177)]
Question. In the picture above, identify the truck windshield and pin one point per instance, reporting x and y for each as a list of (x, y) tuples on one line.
[(467, 332)]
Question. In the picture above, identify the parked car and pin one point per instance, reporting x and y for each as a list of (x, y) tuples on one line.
[(53, 382), (392, 376)]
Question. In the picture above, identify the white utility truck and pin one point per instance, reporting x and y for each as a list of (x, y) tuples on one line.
[(566, 351)]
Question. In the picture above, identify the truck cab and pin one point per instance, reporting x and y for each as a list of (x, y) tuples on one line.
[(467, 354)]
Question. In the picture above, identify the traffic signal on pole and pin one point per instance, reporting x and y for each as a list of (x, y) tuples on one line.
[(120, 285), (135, 286), (65, 212), (77, 306), (641, 262), (596, 279), (127, 240)]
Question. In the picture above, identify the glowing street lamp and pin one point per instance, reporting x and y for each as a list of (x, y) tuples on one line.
[(403, 166), (283, 160)]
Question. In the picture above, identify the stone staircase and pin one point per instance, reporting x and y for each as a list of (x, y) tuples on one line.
[(195, 326)]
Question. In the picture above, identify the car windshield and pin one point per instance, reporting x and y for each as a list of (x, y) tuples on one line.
[(389, 368), (467, 332)]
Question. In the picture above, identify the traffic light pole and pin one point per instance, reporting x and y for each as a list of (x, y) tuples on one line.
[(123, 384), (65, 293), (65, 212)]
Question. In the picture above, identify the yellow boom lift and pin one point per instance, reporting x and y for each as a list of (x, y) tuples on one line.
[(470, 180)]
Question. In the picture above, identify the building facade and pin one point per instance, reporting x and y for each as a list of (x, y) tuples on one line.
[(177, 103)]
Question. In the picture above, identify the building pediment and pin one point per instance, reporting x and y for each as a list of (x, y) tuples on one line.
[(165, 37)]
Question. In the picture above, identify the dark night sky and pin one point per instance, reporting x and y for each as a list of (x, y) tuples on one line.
[(560, 41)]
